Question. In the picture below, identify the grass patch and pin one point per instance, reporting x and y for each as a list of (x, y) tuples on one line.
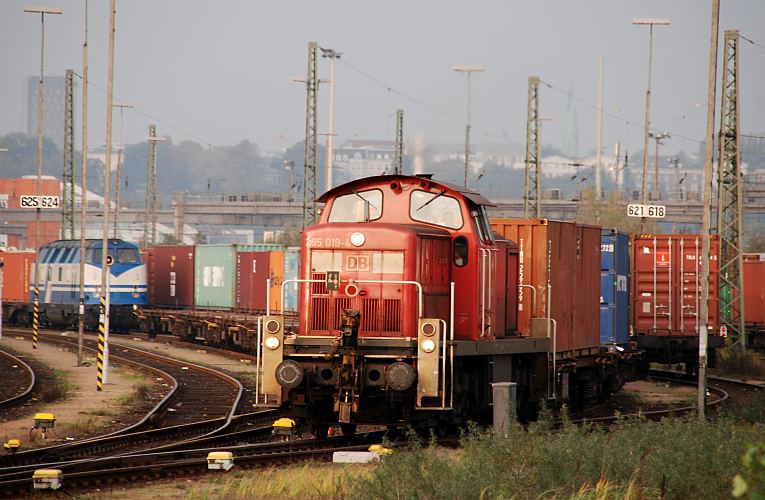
[(139, 393), (101, 412), (310, 481), (79, 426), (731, 361), (58, 389)]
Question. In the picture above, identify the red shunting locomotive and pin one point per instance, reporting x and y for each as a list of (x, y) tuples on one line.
[(408, 313)]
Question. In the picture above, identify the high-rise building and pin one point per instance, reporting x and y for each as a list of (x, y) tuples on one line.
[(54, 94)]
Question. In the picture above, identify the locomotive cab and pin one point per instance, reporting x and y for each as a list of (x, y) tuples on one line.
[(379, 309)]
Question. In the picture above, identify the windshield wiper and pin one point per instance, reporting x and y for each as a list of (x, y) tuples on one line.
[(430, 200), (365, 200)]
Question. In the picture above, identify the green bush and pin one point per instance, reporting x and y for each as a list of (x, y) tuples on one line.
[(751, 482), (731, 361), (674, 458)]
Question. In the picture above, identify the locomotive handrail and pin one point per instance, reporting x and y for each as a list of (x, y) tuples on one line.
[(295, 280)]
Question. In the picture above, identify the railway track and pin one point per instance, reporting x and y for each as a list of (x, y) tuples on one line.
[(201, 402), (129, 469), (19, 380)]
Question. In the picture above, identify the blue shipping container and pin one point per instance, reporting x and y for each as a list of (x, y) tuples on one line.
[(291, 272), (614, 287)]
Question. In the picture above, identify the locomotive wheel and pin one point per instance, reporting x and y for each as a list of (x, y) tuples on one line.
[(348, 429)]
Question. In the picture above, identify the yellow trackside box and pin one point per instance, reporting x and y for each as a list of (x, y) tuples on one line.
[(44, 420), (47, 479), (220, 460), (284, 427)]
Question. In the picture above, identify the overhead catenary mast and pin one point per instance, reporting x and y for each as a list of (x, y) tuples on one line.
[(311, 138), (532, 179), (67, 202), (730, 210), (398, 159)]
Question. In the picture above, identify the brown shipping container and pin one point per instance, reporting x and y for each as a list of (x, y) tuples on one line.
[(172, 276), (754, 291), (147, 256), (17, 267), (252, 271), (561, 260), (666, 284)]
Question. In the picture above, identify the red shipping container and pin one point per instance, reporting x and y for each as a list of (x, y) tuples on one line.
[(252, 271), (666, 284), (17, 267), (147, 256), (754, 291), (171, 280), (561, 261)]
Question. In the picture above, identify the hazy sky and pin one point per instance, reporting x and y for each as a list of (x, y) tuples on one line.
[(220, 71)]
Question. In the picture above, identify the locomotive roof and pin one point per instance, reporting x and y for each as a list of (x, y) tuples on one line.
[(89, 243), (471, 195)]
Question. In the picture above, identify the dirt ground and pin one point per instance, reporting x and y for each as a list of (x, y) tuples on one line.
[(84, 411), (199, 355)]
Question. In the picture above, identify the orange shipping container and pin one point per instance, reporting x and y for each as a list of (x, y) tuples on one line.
[(754, 291), (276, 272), (561, 262), (666, 286), (17, 267)]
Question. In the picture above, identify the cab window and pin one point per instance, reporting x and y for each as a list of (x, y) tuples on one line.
[(435, 208), (359, 206), (481, 220), (460, 251)]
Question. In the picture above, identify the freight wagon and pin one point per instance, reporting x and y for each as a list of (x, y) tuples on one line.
[(666, 298), (754, 299)]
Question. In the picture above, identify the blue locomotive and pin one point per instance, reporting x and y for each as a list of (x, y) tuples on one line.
[(59, 283)]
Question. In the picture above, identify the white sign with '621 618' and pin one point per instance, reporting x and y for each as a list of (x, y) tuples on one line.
[(32, 201), (651, 211)]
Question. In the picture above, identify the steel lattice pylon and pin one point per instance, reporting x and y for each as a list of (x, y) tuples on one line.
[(729, 199), (398, 159), (532, 180), (67, 202), (148, 230), (311, 137)]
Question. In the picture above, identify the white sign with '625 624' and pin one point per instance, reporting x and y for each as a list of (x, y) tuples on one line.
[(651, 211), (32, 201)]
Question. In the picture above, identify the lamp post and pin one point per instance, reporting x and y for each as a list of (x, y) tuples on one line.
[(656, 190), (468, 70), (650, 23), (40, 119), (83, 187), (122, 106), (332, 55)]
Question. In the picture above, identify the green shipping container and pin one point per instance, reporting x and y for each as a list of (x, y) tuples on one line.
[(215, 273)]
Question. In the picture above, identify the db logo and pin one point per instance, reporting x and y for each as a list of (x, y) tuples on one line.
[(357, 263), (723, 331)]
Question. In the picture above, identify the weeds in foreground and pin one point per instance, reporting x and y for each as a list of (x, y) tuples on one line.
[(634, 459)]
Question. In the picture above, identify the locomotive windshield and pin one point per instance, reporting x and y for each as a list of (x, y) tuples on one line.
[(435, 208), (360, 206)]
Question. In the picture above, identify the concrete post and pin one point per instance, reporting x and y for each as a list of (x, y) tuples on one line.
[(504, 393)]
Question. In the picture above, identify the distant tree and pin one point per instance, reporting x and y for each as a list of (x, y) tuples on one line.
[(755, 243), (170, 239), (610, 212)]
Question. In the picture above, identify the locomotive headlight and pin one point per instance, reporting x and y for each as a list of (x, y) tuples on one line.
[(428, 345), (272, 326), (358, 239), (428, 329), (272, 342)]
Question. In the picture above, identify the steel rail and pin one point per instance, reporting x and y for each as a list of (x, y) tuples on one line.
[(24, 395)]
